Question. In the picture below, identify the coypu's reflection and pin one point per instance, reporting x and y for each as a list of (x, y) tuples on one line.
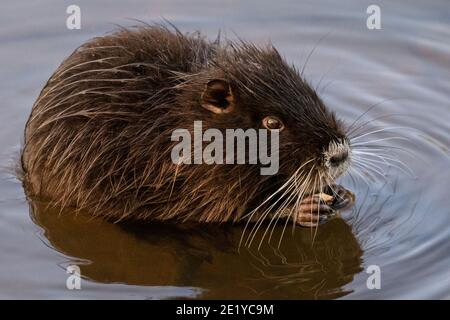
[(207, 257)]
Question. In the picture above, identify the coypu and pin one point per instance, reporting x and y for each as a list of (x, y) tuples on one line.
[(99, 135)]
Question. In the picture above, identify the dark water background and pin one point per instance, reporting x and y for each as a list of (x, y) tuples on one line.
[(400, 222)]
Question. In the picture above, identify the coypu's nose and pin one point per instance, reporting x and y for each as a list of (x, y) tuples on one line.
[(338, 158), (337, 154)]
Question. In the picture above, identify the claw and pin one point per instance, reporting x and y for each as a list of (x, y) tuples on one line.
[(343, 198)]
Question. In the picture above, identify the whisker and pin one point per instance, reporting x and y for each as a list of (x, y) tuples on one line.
[(386, 148), (275, 218), (299, 191), (302, 194), (375, 131), (264, 215), (369, 165), (266, 212), (360, 175), (318, 210), (384, 157), (370, 169), (408, 173), (312, 51), (379, 140), (311, 212), (349, 132), (288, 218), (249, 216), (368, 110)]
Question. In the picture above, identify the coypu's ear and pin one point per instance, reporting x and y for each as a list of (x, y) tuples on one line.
[(218, 97)]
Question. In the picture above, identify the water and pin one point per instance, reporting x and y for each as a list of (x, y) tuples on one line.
[(400, 222)]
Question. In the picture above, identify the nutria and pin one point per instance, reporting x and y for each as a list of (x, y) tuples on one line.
[(99, 135)]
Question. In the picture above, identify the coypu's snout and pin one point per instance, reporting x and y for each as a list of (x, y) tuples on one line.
[(337, 157)]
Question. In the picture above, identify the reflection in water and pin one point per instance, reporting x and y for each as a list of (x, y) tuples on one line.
[(206, 256)]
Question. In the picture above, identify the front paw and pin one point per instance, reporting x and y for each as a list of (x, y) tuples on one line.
[(321, 207), (315, 210)]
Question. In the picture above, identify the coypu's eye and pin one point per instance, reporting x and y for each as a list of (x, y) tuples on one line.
[(273, 123)]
